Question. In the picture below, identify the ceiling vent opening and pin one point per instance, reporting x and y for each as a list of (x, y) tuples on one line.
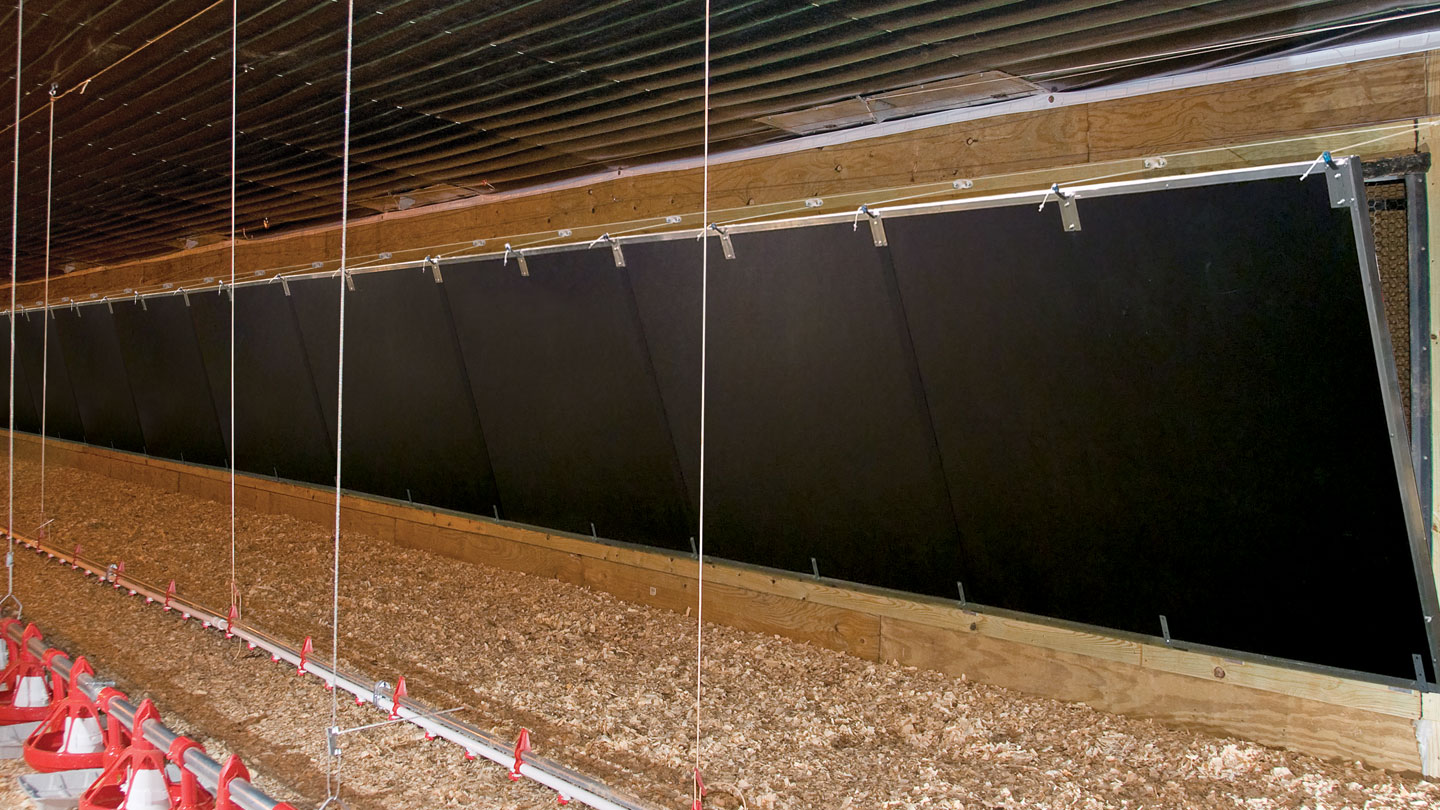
[(970, 90)]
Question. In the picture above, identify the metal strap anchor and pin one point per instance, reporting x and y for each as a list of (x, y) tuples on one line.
[(433, 262), (726, 246), (877, 227), (615, 250), (1069, 213), (519, 259)]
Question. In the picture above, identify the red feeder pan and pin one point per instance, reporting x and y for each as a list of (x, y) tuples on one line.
[(28, 698), (137, 779), (71, 738)]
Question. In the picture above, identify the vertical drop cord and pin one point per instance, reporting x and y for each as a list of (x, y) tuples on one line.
[(704, 339), (340, 388), (14, 280), (234, 129), (45, 313)]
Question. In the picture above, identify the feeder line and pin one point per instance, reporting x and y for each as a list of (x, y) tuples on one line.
[(568, 783)]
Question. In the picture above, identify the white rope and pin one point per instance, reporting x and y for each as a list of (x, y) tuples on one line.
[(45, 316), (14, 281), (340, 398), (704, 339), (234, 93)]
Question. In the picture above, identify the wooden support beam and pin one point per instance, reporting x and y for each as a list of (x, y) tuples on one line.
[(1320, 714), (1291, 116)]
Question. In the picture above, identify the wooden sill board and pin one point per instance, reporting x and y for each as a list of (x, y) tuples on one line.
[(1320, 714)]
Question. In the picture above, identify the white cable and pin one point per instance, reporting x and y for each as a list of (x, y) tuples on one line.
[(45, 317), (704, 335), (340, 390), (234, 127), (14, 281)]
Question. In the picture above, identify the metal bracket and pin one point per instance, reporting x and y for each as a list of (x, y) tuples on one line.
[(185, 295), (285, 285), (877, 227), (726, 246), (519, 259), (617, 254), (349, 280), (379, 694), (1069, 212), (963, 184), (1156, 163), (1419, 662), (1165, 628), (1337, 181), (434, 263), (108, 306), (332, 740), (615, 251), (140, 301), (960, 586)]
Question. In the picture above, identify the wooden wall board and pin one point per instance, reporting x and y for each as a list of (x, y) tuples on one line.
[(1316, 713), (1280, 720), (1062, 140), (1329, 98)]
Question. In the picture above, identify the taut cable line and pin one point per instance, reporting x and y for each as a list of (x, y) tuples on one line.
[(14, 271), (699, 785), (234, 132), (44, 316), (333, 773)]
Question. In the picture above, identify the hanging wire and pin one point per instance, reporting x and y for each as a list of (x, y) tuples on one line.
[(44, 316), (697, 786), (332, 778), (81, 85), (14, 278), (234, 131)]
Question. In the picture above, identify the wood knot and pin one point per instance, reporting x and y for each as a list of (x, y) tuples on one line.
[(1219, 672)]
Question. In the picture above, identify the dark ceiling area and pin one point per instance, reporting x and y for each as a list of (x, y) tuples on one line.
[(463, 98)]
